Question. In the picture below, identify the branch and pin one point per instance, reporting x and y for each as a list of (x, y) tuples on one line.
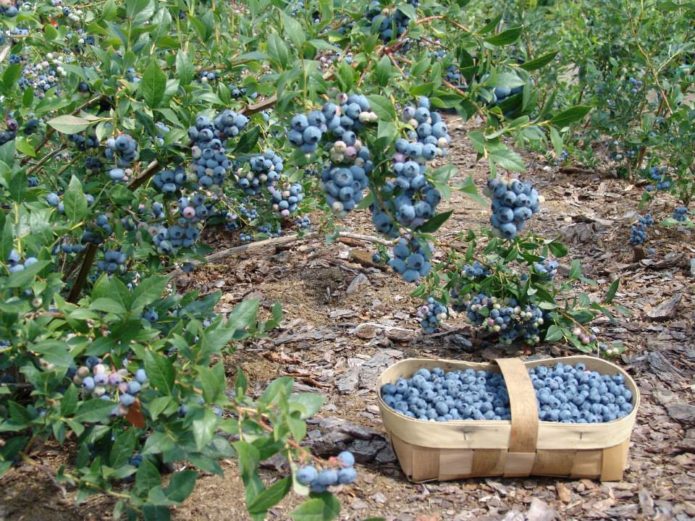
[(89, 256)]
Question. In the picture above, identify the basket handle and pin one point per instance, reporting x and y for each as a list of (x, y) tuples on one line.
[(522, 402)]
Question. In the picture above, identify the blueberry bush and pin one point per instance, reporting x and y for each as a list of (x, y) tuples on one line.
[(130, 128)]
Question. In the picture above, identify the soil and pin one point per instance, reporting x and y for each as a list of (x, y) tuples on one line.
[(344, 321)]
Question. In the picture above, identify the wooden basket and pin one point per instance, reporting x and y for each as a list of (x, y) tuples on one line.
[(522, 446)]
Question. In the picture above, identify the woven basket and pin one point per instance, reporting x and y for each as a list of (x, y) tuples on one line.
[(522, 446)]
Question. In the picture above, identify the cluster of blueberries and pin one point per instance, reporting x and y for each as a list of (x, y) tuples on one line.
[(414, 198), (547, 268), (168, 181), (10, 133), (286, 201), (113, 261), (207, 76), (680, 214), (306, 130), (100, 381), (169, 239), (505, 317), (10, 11), (303, 222), (513, 203), (193, 208), (150, 315), (15, 263), (391, 24), (431, 315), (564, 393), (210, 162), (319, 481), (638, 232), (410, 259), (661, 178), (122, 148), (475, 271), (264, 171), (344, 185), (84, 142)]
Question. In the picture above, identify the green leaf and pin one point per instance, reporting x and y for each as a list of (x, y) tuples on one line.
[(557, 249), (505, 37), (68, 124), (612, 290), (185, 70), (244, 315), (277, 50), (554, 334), (75, 202), (93, 411), (384, 70), (153, 84), (248, 140), (213, 382), (323, 508), (570, 115), (54, 352), (575, 269), (107, 305), (270, 496), (68, 404), (123, 448), (147, 477), (27, 275), (204, 428), (556, 140), (148, 291), (469, 188), (293, 30), (156, 513), (539, 62), (181, 485), (382, 107), (160, 371), (307, 404), (11, 75), (435, 222)]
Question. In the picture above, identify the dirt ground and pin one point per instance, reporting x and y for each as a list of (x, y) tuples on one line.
[(345, 321)]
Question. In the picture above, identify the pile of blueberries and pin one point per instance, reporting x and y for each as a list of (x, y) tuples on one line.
[(410, 259), (431, 315), (513, 203), (100, 381), (506, 318), (638, 232), (319, 481), (680, 214), (15, 263), (564, 393)]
